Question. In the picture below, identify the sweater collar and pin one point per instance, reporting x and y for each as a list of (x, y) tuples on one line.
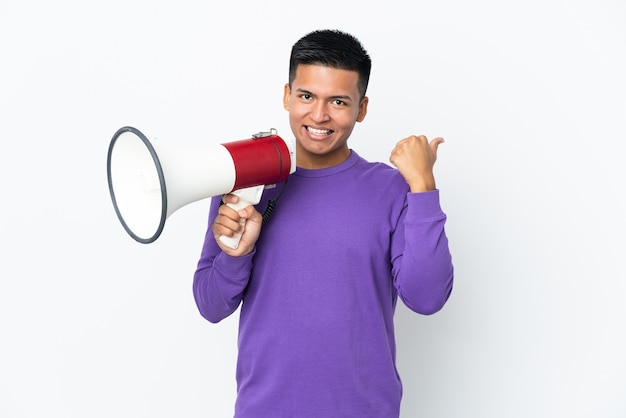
[(329, 171)]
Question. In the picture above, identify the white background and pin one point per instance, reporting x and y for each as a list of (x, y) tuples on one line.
[(530, 96)]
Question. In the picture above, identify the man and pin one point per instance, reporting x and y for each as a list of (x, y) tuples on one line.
[(318, 283)]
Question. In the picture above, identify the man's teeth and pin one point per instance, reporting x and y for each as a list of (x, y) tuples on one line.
[(318, 131)]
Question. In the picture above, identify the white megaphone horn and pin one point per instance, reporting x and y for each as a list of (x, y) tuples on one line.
[(147, 186)]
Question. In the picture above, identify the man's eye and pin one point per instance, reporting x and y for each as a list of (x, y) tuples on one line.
[(306, 96), (339, 102)]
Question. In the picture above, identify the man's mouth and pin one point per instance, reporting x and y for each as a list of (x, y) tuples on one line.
[(320, 132)]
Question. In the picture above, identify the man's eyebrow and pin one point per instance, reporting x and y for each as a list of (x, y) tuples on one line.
[(339, 96)]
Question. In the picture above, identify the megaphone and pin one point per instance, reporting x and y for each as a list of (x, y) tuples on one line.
[(148, 185)]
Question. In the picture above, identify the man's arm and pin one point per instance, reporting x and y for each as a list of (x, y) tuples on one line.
[(221, 278), (423, 271)]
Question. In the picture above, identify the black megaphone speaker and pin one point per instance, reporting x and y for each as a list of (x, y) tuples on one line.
[(148, 184)]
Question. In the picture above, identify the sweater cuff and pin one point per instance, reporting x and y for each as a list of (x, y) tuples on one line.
[(424, 205), (235, 267)]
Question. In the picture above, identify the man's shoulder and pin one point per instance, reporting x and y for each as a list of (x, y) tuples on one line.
[(377, 168), (380, 175)]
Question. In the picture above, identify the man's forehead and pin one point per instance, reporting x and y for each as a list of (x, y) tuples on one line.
[(320, 78)]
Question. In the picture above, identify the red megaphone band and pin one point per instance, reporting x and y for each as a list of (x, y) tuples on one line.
[(263, 160)]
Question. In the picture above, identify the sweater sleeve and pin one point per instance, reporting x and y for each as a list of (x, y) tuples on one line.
[(422, 265), (220, 280)]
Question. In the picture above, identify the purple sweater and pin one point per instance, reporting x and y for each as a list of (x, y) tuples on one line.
[(318, 293)]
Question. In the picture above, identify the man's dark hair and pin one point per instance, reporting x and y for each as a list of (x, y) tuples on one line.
[(335, 49)]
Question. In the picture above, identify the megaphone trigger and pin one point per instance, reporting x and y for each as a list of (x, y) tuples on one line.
[(247, 197)]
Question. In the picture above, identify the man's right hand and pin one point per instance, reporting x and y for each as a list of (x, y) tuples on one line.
[(230, 222)]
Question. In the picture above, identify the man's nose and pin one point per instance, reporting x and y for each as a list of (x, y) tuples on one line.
[(319, 112)]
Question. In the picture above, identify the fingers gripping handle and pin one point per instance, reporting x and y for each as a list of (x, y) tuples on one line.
[(247, 197)]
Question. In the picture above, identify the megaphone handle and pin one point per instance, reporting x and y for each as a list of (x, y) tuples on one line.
[(248, 196)]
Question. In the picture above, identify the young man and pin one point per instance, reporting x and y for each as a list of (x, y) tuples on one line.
[(318, 283)]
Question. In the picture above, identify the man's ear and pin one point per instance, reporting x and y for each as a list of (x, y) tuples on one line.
[(286, 97), (362, 109)]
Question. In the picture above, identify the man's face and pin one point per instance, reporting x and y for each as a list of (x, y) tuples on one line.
[(324, 104)]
